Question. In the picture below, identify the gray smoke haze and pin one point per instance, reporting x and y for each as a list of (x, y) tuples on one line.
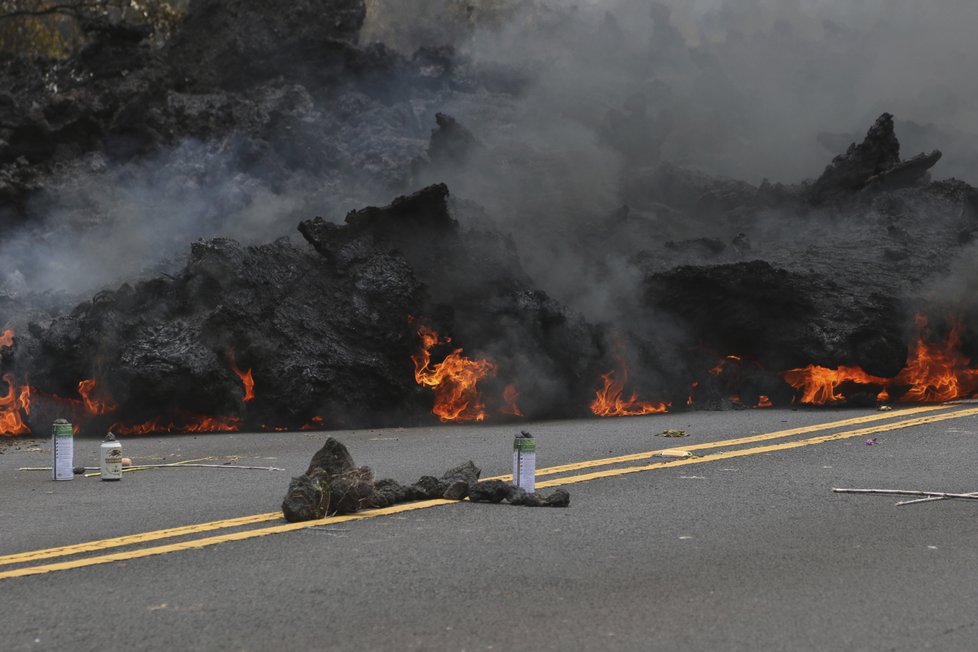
[(592, 98)]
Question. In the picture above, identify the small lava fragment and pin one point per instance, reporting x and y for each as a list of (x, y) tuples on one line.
[(674, 433)]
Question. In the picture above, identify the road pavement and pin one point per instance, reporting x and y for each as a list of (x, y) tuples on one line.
[(742, 547)]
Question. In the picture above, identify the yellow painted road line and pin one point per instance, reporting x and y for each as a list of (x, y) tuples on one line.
[(742, 452), (291, 527), (90, 546), (146, 537), (222, 538), (632, 457)]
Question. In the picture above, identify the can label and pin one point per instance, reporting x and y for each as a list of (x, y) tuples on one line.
[(62, 451), (525, 463), (110, 461)]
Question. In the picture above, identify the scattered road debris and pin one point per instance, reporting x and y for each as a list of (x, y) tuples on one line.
[(929, 499), (673, 433), (333, 484), (871, 442), (885, 408), (940, 495), (674, 452)]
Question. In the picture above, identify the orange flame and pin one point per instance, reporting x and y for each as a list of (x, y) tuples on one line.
[(17, 399), (937, 372), (195, 424), (247, 381), (764, 402), (934, 372), (510, 394), (7, 339), (608, 401), (94, 406), (454, 380), (818, 384)]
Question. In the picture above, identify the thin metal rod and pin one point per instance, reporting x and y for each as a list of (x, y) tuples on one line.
[(903, 492)]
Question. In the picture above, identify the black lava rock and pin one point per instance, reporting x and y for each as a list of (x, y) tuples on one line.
[(490, 491), (307, 498)]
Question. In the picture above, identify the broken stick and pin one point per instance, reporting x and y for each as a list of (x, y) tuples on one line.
[(924, 500), (903, 492)]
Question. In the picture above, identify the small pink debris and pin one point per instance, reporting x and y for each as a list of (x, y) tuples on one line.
[(871, 442)]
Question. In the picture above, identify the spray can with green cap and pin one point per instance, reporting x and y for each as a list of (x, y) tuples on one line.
[(525, 461), (62, 450)]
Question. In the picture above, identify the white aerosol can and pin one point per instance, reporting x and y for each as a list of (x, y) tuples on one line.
[(525, 461), (62, 450), (110, 458)]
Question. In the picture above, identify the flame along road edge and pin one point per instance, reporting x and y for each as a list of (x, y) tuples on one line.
[(901, 417)]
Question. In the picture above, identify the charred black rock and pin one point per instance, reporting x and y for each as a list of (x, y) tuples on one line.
[(333, 459), (519, 496), (333, 485), (490, 491), (467, 472), (307, 499), (429, 487), (390, 492), (874, 162), (458, 490), (352, 491)]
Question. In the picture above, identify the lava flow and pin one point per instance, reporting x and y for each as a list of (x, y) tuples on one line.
[(454, 380), (934, 372), (193, 424), (608, 401)]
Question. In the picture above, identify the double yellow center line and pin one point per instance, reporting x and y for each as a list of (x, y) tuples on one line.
[(145, 537)]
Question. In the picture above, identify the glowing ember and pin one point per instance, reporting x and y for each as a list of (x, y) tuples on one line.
[(510, 395), (194, 424), (16, 399), (454, 380), (717, 370), (315, 423), (95, 406), (7, 339), (608, 401), (764, 402)]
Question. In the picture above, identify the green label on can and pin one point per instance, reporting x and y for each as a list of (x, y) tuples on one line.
[(62, 428), (525, 445)]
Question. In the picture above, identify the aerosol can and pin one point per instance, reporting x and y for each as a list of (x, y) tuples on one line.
[(62, 450), (110, 458), (525, 461)]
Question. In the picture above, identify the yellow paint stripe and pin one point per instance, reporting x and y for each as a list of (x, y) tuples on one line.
[(91, 546), (632, 457), (742, 452), (291, 527), (146, 537), (223, 538)]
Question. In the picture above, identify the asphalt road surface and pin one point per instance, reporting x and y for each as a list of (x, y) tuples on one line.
[(742, 547)]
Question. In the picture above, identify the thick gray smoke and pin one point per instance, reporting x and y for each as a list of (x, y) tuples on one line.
[(591, 97)]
